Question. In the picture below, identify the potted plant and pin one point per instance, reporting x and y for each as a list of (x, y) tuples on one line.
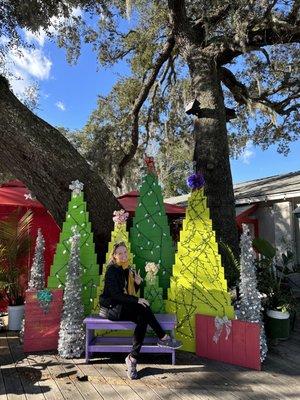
[(15, 245), (279, 301)]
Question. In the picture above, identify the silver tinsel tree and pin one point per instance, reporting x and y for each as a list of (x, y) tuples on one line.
[(249, 306), (72, 335), (37, 273)]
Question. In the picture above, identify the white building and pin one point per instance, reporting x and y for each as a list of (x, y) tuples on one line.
[(268, 206)]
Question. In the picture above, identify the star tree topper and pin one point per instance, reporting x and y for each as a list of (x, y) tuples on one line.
[(29, 196), (76, 187), (150, 164)]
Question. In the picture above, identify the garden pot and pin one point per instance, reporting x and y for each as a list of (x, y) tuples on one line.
[(278, 324), (15, 316)]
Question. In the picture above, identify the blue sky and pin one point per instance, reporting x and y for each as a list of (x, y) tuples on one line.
[(68, 94)]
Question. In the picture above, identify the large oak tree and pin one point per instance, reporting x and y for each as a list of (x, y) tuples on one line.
[(39, 155), (202, 41)]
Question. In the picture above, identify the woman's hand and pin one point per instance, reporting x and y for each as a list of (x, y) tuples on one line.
[(143, 302), (137, 278)]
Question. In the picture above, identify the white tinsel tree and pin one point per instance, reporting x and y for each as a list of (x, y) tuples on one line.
[(37, 273), (72, 335), (249, 306)]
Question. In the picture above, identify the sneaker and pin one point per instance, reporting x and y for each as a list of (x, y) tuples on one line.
[(169, 342), (131, 367)]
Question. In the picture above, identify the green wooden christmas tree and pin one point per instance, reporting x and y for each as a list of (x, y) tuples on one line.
[(153, 292), (150, 235), (198, 284), (77, 216), (119, 234)]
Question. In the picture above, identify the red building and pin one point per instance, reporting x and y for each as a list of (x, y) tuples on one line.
[(14, 195)]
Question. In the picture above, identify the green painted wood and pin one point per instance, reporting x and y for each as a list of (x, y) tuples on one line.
[(150, 234), (77, 215)]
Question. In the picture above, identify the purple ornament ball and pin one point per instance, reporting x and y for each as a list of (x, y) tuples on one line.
[(196, 181)]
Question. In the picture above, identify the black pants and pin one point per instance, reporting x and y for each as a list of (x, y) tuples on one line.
[(142, 316)]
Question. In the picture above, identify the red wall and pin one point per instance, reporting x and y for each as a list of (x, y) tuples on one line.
[(50, 230)]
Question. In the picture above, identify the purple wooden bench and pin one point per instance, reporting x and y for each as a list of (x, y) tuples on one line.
[(119, 344)]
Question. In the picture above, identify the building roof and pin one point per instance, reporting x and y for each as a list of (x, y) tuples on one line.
[(277, 187), (15, 193), (129, 202)]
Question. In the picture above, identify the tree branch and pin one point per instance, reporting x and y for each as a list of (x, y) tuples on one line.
[(268, 11), (242, 96), (294, 14), (269, 31), (147, 124), (162, 58), (183, 28), (275, 32), (169, 66), (238, 89), (39, 155)]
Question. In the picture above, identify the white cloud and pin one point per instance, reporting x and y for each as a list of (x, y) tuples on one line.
[(24, 66), (32, 61), (38, 37), (60, 105), (55, 22), (77, 12), (247, 154), (20, 82)]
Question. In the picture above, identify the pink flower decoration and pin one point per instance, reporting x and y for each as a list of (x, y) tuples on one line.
[(120, 217)]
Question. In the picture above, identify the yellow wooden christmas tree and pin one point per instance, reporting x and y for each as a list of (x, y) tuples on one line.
[(198, 285), (119, 234)]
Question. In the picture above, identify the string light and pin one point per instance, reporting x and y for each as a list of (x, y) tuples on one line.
[(148, 236), (197, 284), (90, 270)]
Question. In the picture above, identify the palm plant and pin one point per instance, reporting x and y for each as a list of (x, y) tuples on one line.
[(15, 244), (270, 276)]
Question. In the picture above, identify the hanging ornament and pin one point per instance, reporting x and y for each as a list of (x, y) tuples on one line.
[(196, 181), (44, 298)]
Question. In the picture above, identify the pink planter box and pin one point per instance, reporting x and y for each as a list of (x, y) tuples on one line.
[(41, 329), (241, 348)]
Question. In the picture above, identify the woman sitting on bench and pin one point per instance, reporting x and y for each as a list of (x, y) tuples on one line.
[(119, 302)]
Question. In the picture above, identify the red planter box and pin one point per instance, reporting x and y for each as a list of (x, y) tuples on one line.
[(241, 348), (41, 329)]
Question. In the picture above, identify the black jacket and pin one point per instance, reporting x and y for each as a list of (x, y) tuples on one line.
[(116, 279)]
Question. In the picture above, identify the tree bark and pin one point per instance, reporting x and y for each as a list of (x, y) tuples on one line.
[(40, 156), (211, 152)]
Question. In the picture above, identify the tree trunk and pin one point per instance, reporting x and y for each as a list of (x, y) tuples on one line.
[(40, 156), (211, 152)]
